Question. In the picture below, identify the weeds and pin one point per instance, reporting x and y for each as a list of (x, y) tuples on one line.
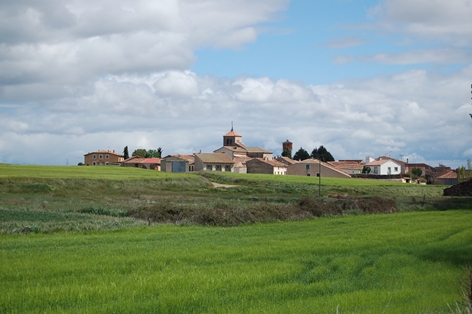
[(230, 214), (103, 211), (466, 287)]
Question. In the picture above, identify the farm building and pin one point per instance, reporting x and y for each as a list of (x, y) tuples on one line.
[(213, 162), (174, 164), (260, 165), (286, 160), (449, 178), (103, 157), (312, 167)]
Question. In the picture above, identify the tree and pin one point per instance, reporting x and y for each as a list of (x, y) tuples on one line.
[(464, 174), (366, 169), (322, 154), (154, 153), (141, 152), (287, 152), (125, 153), (416, 173), (301, 154)]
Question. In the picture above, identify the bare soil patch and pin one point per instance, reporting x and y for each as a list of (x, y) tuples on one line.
[(219, 185)]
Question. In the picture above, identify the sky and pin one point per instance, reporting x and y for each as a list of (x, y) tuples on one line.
[(362, 78)]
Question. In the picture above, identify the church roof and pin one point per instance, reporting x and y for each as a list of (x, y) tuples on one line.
[(232, 133), (236, 148)]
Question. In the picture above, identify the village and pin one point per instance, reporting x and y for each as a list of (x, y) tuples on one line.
[(236, 157)]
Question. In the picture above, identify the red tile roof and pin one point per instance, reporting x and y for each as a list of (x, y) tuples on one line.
[(377, 162), (287, 160), (150, 161), (134, 160), (110, 152), (449, 175), (273, 163), (189, 158)]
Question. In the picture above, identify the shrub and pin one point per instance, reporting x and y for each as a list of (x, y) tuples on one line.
[(229, 214)]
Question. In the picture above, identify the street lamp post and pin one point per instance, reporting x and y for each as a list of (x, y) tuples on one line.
[(319, 177)]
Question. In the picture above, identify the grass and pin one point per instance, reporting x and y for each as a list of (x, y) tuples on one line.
[(83, 254), (83, 172), (56, 198), (402, 263)]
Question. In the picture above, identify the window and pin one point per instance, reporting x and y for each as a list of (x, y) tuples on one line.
[(228, 168), (107, 163), (94, 163), (94, 156), (389, 170), (100, 156), (209, 167), (107, 157), (307, 167), (218, 167), (396, 169)]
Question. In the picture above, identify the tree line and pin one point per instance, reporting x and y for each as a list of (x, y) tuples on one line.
[(320, 153), (141, 152)]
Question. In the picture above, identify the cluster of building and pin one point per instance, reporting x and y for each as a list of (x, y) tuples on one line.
[(234, 156)]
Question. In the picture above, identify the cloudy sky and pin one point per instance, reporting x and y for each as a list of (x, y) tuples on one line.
[(363, 78)]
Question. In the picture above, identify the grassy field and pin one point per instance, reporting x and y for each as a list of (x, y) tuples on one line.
[(83, 172), (82, 252), (50, 199), (402, 263)]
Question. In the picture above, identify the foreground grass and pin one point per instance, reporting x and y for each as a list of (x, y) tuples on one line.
[(400, 263)]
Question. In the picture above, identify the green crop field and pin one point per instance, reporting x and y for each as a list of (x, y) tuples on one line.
[(403, 263), (111, 239), (84, 172)]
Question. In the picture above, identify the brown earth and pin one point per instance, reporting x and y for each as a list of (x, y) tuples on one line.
[(461, 189)]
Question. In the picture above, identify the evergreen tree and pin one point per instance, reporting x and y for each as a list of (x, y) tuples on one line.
[(125, 153), (301, 154), (287, 152), (322, 154)]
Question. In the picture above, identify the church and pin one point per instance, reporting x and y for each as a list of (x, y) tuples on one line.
[(233, 150)]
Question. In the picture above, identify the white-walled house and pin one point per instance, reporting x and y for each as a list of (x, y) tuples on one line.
[(384, 167)]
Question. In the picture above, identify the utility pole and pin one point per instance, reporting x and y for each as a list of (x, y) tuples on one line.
[(319, 177)]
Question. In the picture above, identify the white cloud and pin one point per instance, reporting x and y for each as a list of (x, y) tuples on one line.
[(445, 20), (106, 74), (87, 39), (177, 83), (413, 113)]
